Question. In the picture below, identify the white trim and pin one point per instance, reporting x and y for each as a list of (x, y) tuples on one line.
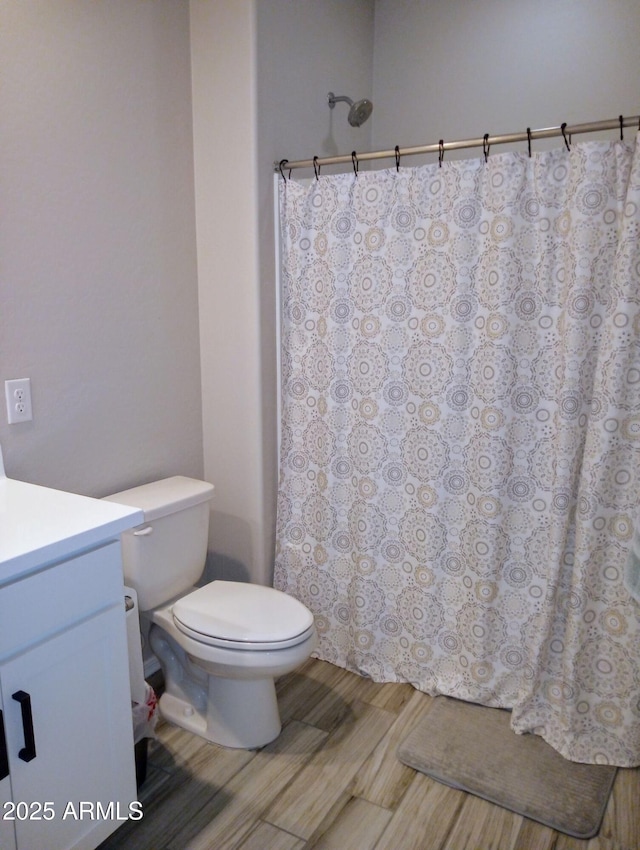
[(278, 299)]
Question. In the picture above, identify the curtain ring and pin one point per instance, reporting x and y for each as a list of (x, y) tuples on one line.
[(282, 163), (621, 130), (529, 140), (397, 149), (564, 135), (354, 160), (440, 152), (316, 167), (486, 146)]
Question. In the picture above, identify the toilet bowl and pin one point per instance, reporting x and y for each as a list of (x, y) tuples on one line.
[(219, 685), (221, 645)]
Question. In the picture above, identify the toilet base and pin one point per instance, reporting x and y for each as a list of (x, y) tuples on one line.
[(240, 713), (227, 696)]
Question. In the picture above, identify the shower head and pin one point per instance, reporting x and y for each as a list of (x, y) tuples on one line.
[(359, 112)]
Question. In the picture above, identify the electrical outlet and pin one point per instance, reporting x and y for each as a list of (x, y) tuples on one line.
[(18, 395)]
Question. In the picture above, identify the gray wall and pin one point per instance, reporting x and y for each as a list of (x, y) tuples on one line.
[(460, 69), (98, 284)]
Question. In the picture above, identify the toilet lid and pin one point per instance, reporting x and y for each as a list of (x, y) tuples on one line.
[(256, 617)]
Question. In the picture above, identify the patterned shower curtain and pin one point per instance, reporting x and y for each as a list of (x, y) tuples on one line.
[(460, 441)]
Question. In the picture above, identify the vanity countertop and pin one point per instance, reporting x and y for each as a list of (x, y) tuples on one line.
[(39, 525)]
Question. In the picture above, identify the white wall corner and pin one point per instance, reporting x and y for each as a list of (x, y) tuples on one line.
[(223, 52)]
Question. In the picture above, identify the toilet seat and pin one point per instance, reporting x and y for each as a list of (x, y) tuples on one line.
[(237, 615)]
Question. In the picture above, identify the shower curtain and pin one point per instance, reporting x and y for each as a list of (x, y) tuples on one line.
[(460, 439)]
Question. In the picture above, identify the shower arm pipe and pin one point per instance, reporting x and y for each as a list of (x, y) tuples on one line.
[(484, 141)]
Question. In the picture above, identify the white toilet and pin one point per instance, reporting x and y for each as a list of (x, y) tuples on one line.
[(220, 646)]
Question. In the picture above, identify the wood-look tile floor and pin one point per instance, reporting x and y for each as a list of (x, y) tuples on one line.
[(332, 781)]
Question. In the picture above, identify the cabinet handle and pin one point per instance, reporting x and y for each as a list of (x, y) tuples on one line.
[(4, 758), (28, 752)]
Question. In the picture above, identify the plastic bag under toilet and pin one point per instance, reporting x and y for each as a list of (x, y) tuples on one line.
[(145, 716)]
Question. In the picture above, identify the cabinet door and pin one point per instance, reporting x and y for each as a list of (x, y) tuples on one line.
[(7, 832), (77, 685)]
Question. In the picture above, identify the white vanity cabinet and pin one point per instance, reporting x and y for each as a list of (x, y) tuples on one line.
[(67, 775), (7, 831)]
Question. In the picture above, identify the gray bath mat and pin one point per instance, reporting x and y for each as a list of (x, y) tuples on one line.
[(473, 748)]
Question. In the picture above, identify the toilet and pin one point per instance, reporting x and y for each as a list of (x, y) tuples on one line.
[(221, 645)]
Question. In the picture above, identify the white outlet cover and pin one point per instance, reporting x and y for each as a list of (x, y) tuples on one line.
[(18, 397)]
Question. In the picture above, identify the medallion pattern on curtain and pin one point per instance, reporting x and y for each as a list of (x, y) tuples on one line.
[(460, 441)]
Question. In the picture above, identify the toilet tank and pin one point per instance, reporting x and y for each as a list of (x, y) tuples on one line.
[(166, 554)]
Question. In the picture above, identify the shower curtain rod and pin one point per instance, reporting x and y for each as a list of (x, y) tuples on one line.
[(484, 142)]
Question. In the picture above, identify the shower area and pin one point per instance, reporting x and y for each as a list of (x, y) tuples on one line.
[(460, 433), (459, 443)]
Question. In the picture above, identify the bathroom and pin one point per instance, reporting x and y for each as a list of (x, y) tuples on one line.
[(137, 243), (115, 262)]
